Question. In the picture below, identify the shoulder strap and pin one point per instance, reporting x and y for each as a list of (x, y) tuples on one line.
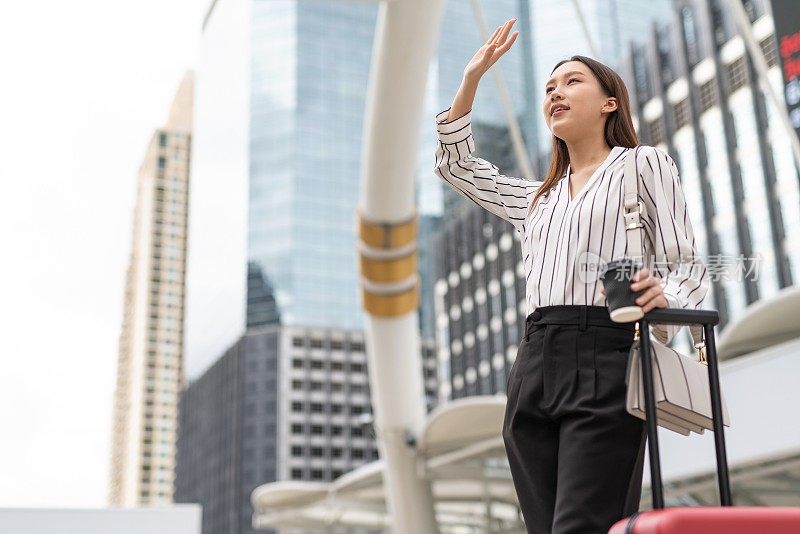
[(632, 207), (632, 212)]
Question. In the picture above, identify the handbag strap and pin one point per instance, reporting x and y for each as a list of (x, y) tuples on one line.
[(632, 213)]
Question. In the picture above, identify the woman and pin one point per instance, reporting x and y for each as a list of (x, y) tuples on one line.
[(575, 454)]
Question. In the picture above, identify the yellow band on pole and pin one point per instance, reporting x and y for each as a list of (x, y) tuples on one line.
[(388, 270), (387, 235), (387, 238), (391, 305)]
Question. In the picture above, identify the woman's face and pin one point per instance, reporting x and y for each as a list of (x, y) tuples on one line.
[(572, 85)]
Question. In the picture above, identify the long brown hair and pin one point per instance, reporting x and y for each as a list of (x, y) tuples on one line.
[(619, 130)]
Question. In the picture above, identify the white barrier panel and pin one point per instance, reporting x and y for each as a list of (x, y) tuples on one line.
[(178, 519)]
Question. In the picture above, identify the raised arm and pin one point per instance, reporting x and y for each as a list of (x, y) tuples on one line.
[(486, 56), (475, 178)]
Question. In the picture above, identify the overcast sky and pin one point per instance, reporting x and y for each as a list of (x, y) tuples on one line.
[(84, 83)]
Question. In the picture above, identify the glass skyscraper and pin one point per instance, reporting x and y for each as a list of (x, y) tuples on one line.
[(309, 71)]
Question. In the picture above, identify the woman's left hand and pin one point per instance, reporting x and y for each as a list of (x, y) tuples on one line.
[(653, 297)]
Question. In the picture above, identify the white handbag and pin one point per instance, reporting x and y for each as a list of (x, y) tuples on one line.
[(681, 387)]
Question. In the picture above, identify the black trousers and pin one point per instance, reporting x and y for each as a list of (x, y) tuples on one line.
[(576, 454)]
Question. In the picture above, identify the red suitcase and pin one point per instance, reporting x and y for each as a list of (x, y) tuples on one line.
[(726, 519), (712, 520)]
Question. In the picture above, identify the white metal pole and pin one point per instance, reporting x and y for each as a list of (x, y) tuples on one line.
[(405, 40)]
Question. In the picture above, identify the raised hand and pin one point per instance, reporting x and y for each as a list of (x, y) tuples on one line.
[(486, 56)]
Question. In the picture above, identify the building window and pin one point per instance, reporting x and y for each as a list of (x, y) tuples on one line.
[(770, 51), (297, 384), (708, 97), (656, 131), (297, 406), (317, 430), (316, 343), (297, 363), (297, 450), (317, 474), (718, 24), (665, 55), (357, 454), (357, 367), (737, 74), (317, 452), (297, 474), (316, 364), (297, 428), (750, 9), (297, 342), (162, 139), (316, 407), (690, 35), (641, 82), (336, 366), (681, 111)]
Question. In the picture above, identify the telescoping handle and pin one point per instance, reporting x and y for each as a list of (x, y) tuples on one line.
[(706, 318)]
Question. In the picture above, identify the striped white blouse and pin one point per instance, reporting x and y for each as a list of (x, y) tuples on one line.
[(564, 239)]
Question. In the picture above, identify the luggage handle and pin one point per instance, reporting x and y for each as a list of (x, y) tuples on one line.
[(706, 318)]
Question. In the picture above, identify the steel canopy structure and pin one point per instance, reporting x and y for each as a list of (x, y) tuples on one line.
[(763, 324), (460, 452)]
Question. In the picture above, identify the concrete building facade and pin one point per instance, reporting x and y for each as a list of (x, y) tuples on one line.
[(479, 298), (283, 403), (150, 360), (696, 96)]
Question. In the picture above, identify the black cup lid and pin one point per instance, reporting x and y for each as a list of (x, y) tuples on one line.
[(617, 263)]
